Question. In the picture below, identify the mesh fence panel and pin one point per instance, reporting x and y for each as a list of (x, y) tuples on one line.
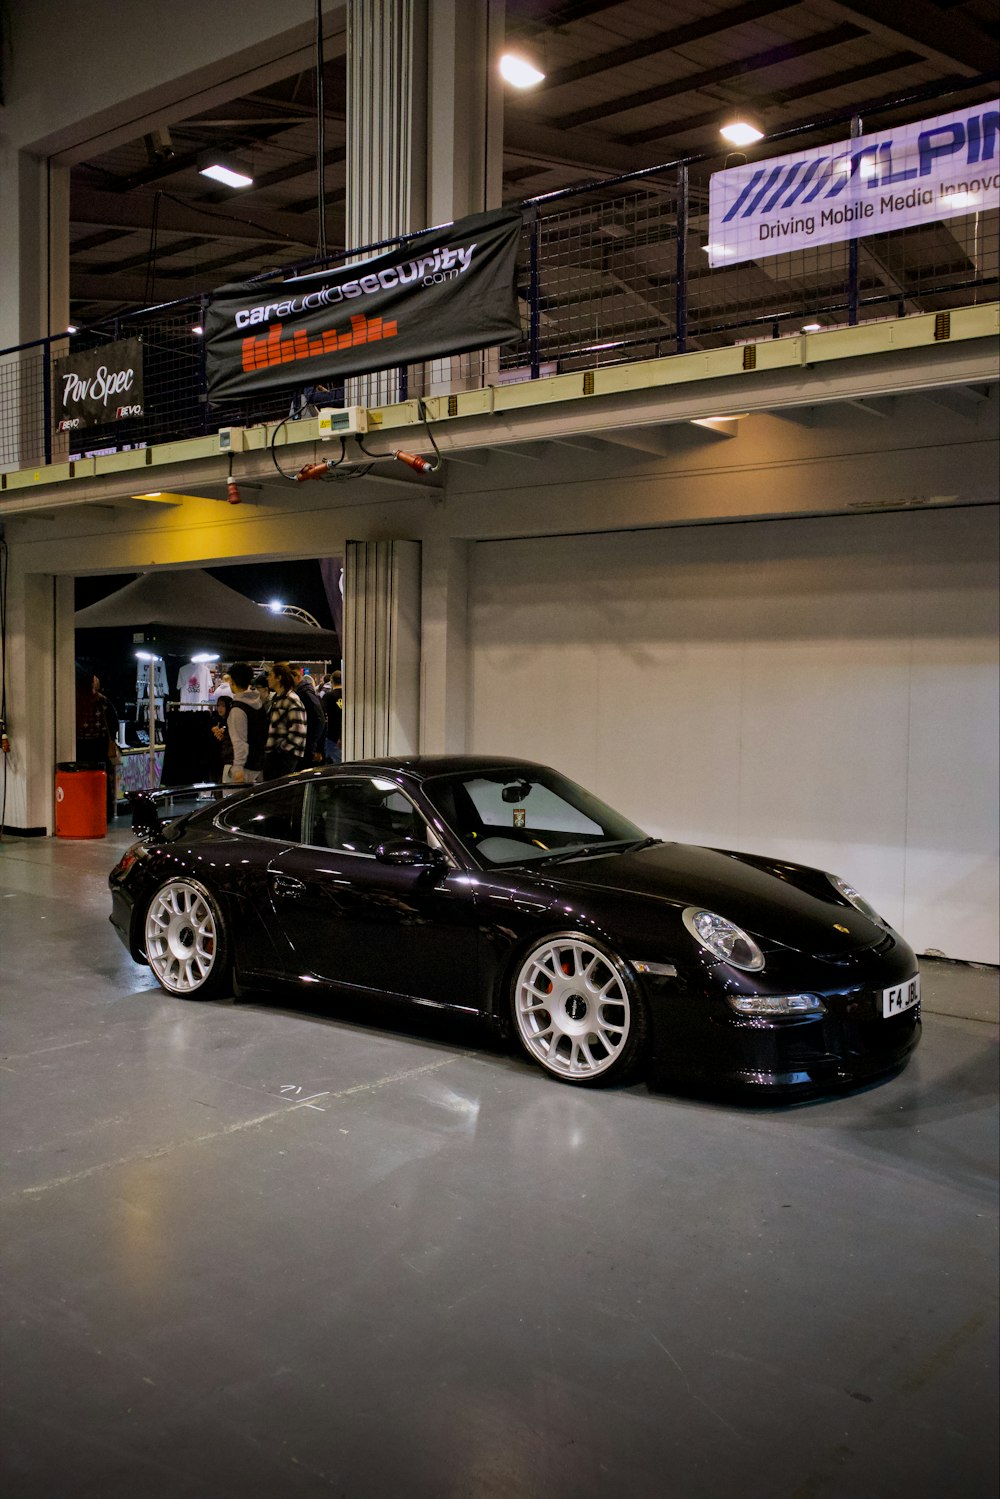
[(22, 408), (608, 277), (598, 286)]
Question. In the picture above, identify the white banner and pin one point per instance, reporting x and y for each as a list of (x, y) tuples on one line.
[(913, 174)]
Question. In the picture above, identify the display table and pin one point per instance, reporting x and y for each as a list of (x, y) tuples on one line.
[(132, 771)]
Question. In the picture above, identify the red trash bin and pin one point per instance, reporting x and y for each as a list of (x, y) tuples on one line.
[(81, 801)]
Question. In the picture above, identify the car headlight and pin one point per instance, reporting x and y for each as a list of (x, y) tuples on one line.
[(776, 1004), (856, 900), (723, 939)]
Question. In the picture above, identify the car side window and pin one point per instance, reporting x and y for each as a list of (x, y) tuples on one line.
[(273, 814), (354, 816)]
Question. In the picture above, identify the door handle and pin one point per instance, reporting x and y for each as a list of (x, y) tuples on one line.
[(286, 884)]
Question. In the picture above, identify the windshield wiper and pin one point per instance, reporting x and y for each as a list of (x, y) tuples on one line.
[(588, 850)]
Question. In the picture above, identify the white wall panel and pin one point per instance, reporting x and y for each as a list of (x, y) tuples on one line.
[(821, 689)]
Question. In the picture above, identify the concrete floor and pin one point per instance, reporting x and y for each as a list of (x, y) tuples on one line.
[(256, 1250)]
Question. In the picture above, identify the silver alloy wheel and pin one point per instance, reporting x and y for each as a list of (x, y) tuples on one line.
[(182, 941), (572, 1008)]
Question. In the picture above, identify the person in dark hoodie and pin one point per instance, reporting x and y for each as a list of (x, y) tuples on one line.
[(315, 751)]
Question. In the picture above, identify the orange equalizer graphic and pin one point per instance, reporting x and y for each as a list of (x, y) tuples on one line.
[(264, 353)]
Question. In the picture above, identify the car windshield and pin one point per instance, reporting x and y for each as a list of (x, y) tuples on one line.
[(517, 814)]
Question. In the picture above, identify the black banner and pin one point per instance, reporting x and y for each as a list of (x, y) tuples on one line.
[(446, 291), (101, 386)]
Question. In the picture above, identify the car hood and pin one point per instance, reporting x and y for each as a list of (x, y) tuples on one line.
[(770, 906)]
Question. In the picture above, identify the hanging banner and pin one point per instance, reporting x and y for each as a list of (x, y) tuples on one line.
[(912, 174), (444, 292), (100, 386)]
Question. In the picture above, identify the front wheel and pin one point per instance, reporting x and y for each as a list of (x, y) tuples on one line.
[(186, 941), (576, 1012)]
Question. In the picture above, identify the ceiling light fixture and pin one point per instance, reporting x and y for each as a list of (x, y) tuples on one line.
[(811, 328), (223, 169), (713, 422), (519, 71), (741, 132)]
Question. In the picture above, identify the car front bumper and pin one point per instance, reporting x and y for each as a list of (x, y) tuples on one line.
[(697, 1034)]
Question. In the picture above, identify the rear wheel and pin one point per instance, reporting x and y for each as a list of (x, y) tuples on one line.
[(577, 1013), (186, 941)]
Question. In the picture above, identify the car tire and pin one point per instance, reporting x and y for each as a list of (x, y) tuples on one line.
[(577, 1013), (186, 942)]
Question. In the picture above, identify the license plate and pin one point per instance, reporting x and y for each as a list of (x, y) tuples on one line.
[(901, 997)]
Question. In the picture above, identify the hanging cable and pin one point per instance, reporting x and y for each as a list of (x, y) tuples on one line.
[(412, 460), (321, 470), (274, 455), (324, 470), (320, 137), (154, 225), (422, 408)]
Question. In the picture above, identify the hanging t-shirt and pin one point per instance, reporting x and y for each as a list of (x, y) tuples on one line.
[(194, 683)]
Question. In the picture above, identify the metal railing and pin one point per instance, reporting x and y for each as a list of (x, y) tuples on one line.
[(609, 273)]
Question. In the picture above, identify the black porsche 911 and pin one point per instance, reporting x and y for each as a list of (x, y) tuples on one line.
[(501, 888)]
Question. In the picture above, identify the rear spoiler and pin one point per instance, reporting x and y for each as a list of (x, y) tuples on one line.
[(146, 805)]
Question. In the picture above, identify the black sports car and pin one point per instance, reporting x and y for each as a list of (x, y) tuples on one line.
[(501, 888)]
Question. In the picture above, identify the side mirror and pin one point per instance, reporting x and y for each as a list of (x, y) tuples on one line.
[(405, 851)]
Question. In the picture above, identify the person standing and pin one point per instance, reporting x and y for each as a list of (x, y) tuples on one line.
[(220, 733), (286, 729), (262, 689), (333, 709), (96, 728), (315, 719), (247, 725)]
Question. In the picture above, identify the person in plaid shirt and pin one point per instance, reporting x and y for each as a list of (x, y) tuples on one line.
[(286, 729)]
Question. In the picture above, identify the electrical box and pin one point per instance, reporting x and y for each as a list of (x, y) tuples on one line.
[(231, 439), (342, 421)]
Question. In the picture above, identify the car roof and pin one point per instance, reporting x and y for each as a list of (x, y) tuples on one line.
[(425, 767)]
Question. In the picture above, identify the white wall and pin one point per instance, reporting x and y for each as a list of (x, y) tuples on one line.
[(821, 689)]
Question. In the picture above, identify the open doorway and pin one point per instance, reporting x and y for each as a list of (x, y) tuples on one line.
[(151, 652)]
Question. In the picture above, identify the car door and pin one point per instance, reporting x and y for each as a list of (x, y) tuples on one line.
[(355, 920), (260, 825)]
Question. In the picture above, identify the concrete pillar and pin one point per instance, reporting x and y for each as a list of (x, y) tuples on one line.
[(424, 114), (381, 647), (465, 108), (41, 702), (34, 274), (386, 118), (425, 146), (424, 132), (465, 143)]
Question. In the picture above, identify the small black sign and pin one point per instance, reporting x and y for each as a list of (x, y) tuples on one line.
[(97, 387), (443, 292)]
